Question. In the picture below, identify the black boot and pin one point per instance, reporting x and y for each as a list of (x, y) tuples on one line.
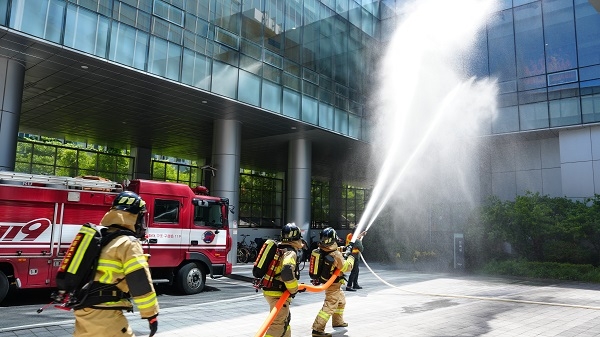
[(316, 333)]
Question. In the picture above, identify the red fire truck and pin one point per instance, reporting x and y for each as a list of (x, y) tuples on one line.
[(188, 236)]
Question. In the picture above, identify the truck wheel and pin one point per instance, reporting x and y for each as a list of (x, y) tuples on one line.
[(191, 279), (3, 286)]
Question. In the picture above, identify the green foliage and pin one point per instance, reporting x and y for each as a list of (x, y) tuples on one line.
[(545, 270), (537, 228)]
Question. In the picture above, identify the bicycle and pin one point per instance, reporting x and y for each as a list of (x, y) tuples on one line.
[(249, 251), (242, 253)]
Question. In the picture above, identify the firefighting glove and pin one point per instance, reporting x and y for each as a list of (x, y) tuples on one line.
[(348, 250), (153, 324)]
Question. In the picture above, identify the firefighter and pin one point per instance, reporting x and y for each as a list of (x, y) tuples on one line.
[(122, 273), (357, 248), (287, 279), (335, 301)]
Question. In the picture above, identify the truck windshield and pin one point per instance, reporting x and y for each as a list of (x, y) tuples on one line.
[(209, 215)]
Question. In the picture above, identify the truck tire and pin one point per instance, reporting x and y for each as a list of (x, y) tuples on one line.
[(191, 279), (3, 286)]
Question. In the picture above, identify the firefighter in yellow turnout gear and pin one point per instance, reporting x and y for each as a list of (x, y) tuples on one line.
[(287, 279), (123, 274), (335, 301)]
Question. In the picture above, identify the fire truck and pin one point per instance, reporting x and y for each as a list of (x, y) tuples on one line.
[(188, 235)]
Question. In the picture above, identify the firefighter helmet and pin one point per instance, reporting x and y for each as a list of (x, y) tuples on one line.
[(290, 232), (328, 237), (131, 202)]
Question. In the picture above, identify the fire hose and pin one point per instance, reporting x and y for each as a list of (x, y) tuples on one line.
[(267, 323)]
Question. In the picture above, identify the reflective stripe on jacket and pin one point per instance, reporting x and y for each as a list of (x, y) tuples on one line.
[(123, 262)]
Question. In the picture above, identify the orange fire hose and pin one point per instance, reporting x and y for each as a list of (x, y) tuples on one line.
[(267, 323)]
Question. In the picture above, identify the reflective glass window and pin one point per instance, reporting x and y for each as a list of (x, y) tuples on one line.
[(565, 112), (86, 31), (589, 73), (103, 7), (168, 12), (587, 22), (145, 5), (533, 82), (273, 25), (589, 87), (197, 43), (249, 88), (164, 58), (326, 116), (354, 13), (311, 32), (224, 79), (225, 54), (251, 65), (291, 103), (529, 40), (196, 70), (252, 15), (128, 45), (590, 108), (167, 30), (478, 61), (251, 49), (563, 91), (292, 82), (199, 8), (533, 116), (131, 16), (197, 25), (354, 126), (224, 37), (341, 121), (310, 110), (3, 12), (227, 15), (559, 33), (531, 96), (502, 46), (293, 36), (272, 74), (271, 96), (41, 18), (310, 89)]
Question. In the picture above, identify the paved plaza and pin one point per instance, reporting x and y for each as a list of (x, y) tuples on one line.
[(401, 303)]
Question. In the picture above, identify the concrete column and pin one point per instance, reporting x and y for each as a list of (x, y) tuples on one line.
[(226, 148), (12, 76), (142, 168), (298, 184), (335, 198)]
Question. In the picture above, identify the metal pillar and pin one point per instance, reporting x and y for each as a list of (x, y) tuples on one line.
[(12, 76), (298, 184), (226, 150), (142, 163)]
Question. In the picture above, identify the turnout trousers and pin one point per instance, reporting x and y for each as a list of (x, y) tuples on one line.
[(106, 323), (281, 324), (333, 307)]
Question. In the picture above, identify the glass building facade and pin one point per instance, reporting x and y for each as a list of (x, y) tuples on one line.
[(546, 58), (305, 59)]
